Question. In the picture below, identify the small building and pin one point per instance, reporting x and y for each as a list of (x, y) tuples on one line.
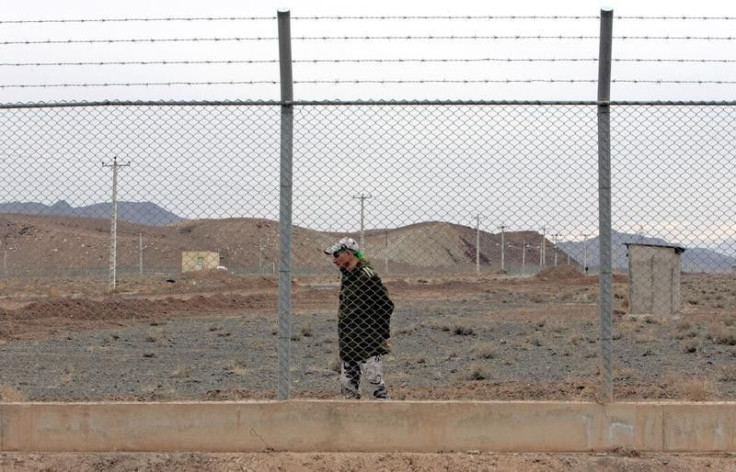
[(654, 279), (199, 260)]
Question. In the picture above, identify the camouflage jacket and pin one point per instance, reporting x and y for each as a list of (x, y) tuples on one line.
[(364, 316)]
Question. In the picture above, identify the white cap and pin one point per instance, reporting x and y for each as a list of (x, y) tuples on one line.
[(344, 243)]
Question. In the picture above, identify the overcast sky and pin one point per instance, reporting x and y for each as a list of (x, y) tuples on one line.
[(544, 73), (496, 157)]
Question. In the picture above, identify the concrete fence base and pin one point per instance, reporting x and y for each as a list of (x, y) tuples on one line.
[(341, 426)]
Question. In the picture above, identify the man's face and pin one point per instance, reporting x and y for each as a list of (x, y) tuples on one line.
[(343, 259)]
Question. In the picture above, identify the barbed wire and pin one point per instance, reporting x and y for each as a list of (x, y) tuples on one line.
[(359, 61), (364, 81), (135, 40), (144, 63), (124, 20), (140, 84), (359, 38), (366, 18)]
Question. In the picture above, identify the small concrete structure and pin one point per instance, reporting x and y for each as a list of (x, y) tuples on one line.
[(654, 279), (354, 426), (199, 260)]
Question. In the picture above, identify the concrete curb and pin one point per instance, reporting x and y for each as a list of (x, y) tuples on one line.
[(342, 426)]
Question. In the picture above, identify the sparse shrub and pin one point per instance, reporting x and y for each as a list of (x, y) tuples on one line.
[(625, 374), (690, 345), (11, 394), (307, 330), (237, 368), (485, 350), (462, 330), (182, 372), (536, 341), (727, 373), (334, 364), (722, 335), (479, 372), (683, 326), (695, 390)]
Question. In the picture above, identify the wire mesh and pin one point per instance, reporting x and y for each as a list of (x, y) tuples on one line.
[(478, 219)]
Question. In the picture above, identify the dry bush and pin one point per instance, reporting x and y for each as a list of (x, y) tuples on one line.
[(462, 330), (11, 394), (485, 350), (692, 389), (238, 368), (626, 373), (307, 330), (690, 345), (685, 329), (722, 335), (727, 373), (479, 372), (334, 364), (182, 372)]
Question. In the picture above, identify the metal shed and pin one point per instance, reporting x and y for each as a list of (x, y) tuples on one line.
[(654, 279)]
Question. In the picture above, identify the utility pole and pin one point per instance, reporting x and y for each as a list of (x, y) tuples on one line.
[(503, 247), (112, 282), (140, 253), (477, 244), (386, 254), (523, 258), (362, 197), (542, 252), (585, 253), (555, 237)]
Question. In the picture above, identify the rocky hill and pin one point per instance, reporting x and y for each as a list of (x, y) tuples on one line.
[(134, 212), (37, 244)]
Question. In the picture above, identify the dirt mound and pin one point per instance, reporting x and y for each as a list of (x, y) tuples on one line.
[(561, 272), (75, 314)]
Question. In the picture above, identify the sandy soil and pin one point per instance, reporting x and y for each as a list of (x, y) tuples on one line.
[(467, 461)]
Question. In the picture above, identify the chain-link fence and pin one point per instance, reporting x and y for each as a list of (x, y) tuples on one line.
[(478, 223)]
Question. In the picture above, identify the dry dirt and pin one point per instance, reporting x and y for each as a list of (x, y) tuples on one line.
[(212, 336), (466, 461)]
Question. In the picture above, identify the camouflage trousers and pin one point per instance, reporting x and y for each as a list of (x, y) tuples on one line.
[(367, 373)]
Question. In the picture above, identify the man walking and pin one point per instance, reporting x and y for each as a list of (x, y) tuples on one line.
[(364, 322)]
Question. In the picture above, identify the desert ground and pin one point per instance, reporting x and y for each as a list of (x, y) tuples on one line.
[(211, 335)]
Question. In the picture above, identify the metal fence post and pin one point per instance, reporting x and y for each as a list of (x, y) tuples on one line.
[(604, 204), (285, 206)]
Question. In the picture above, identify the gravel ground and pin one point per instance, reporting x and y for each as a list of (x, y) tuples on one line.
[(452, 339)]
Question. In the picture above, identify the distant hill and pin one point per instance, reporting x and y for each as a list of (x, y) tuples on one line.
[(144, 213), (694, 259)]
